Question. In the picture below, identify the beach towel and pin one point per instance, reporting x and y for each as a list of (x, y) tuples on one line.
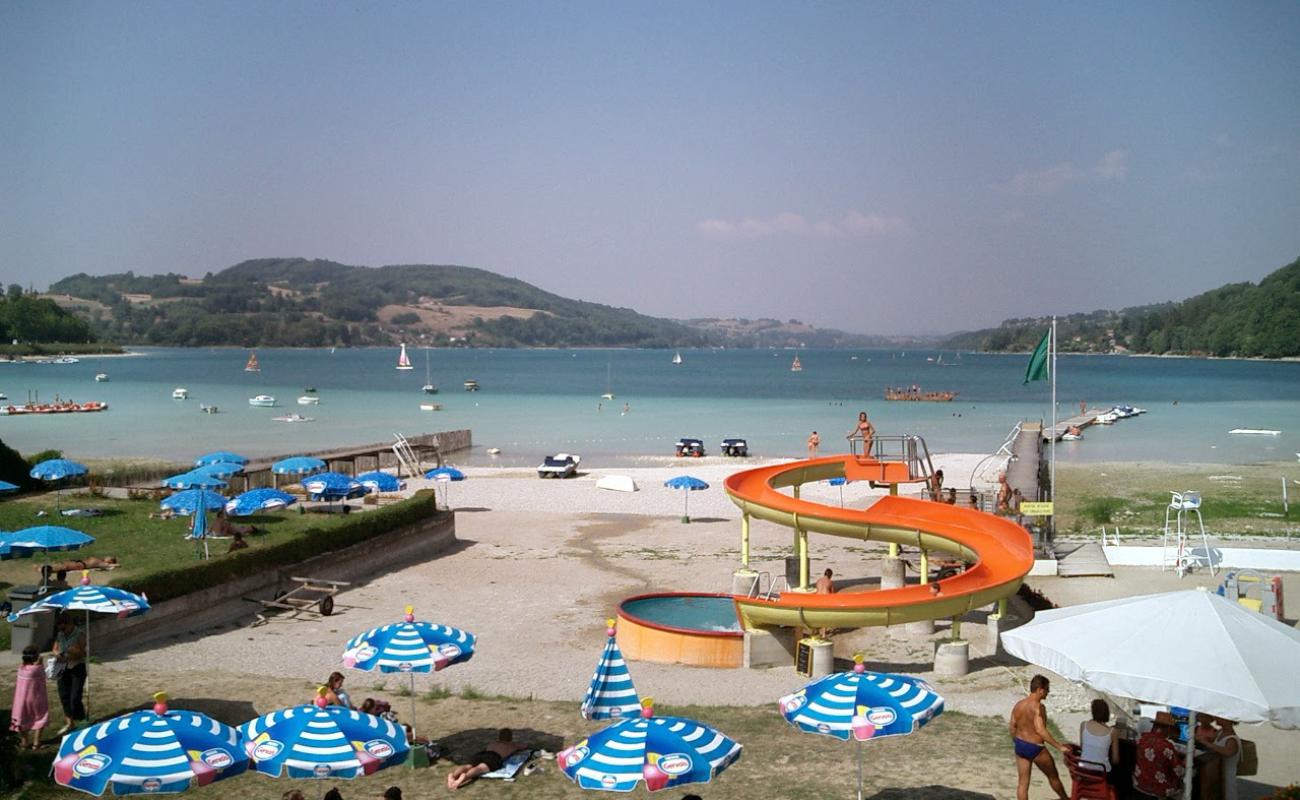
[(82, 512), (31, 706), (511, 766)]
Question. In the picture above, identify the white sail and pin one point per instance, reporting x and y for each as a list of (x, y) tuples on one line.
[(402, 361)]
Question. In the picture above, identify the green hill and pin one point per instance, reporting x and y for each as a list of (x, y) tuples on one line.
[(1245, 320)]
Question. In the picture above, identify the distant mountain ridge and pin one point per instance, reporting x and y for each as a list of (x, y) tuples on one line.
[(313, 303), (1244, 320)]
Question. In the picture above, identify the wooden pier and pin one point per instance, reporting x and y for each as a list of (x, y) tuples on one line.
[(1080, 421), (1022, 468)]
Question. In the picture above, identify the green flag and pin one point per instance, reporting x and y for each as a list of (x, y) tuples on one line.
[(1037, 369)]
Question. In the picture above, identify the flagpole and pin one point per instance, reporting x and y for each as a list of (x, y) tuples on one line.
[(1052, 488)]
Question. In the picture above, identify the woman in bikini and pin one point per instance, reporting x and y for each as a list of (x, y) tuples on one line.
[(866, 430)]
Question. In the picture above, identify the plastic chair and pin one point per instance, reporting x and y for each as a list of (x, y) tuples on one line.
[(1087, 784)]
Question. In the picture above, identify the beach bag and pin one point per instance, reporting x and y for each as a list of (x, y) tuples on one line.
[(54, 668), (1248, 764)]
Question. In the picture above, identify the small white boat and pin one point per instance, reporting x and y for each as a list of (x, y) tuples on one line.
[(262, 401), (293, 418), (430, 406), (66, 360), (616, 483), (560, 465), (496, 451), (3, 396), (428, 387), (1255, 432), (101, 377), (180, 393), (207, 409), (1071, 437), (1106, 419), (309, 400), (403, 362), (677, 358), (471, 386)]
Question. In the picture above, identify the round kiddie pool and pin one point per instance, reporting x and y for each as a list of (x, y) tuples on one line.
[(681, 628)]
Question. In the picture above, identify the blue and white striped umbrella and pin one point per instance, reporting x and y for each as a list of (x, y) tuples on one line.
[(43, 538), (56, 469), (333, 486), (665, 752), (322, 741), (862, 705), (149, 752), (611, 694), (380, 481), (193, 479), (223, 470), (298, 465), (184, 502), (445, 474), (255, 500), (220, 457), (87, 597)]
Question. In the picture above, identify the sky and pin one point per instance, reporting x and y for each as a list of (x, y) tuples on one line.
[(871, 166)]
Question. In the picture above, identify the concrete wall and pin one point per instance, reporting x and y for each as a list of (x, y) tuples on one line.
[(196, 613), (1267, 560)]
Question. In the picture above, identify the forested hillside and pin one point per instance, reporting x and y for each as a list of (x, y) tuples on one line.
[(34, 320), (1240, 319)]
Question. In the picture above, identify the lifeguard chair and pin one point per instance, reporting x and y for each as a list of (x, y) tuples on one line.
[(1181, 506)]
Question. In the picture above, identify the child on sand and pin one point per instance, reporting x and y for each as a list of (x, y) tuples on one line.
[(31, 706)]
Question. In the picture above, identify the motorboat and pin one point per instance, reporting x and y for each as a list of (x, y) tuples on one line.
[(293, 418), (66, 360), (494, 451), (431, 406), (693, 448), (403, 361), (560, 465), (180, 393), (207, 409), (736, 448), (471, 386), (309, 400), (262, 401), (1107, 418), (1255, 432), (101, 377)]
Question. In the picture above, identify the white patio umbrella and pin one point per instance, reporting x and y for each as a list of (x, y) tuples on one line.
[(1191, 649)]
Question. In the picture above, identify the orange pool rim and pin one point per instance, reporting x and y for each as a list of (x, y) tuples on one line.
[(643, 640)]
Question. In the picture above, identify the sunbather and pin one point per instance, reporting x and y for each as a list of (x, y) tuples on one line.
[(78, 564), (488, 760)]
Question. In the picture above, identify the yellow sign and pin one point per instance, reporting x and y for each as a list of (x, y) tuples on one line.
[(1032, 509)]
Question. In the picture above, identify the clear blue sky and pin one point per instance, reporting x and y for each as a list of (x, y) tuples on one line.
[(878, 167)]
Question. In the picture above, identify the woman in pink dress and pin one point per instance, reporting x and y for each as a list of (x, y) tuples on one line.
[(31, 708)]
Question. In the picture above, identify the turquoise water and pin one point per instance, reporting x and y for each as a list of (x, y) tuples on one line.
[(539, 401), (693, 612)]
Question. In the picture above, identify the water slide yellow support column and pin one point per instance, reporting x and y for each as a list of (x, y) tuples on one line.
[(1002, 608), (744, 539), (925, 565), (803, 560), (893, 546)]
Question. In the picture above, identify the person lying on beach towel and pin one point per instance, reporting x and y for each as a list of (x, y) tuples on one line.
[(78, 564), (490, 759), (82, 512)]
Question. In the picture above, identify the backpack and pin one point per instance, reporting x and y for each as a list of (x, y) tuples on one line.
[(1248, 763)]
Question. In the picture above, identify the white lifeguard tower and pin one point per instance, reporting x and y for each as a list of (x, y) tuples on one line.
[(1181, 506)]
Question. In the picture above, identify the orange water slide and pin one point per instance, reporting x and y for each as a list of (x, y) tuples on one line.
[(999, 552)]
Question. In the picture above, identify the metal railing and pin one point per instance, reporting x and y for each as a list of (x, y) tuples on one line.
[(907, 448)]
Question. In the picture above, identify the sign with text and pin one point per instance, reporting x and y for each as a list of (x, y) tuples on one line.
[(1034, 509)]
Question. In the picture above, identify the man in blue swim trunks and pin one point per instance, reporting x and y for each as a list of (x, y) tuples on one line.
[(1031, 737)]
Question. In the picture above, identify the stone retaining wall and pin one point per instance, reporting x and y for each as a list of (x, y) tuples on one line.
[(196, 613)]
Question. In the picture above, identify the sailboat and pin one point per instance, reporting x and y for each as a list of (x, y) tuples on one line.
[(428, 387), (402, 361), (252, 365), (677, 358), (796, 366), (609, 389)]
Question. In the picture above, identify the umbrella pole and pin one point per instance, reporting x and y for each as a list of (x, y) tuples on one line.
[(411, 675), (859, 770), (1191, 755), (85, 687)]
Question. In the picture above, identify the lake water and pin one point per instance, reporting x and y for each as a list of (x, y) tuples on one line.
[(538, 401)]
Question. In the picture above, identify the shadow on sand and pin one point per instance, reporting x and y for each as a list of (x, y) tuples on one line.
[(460, 746), (930, 793)]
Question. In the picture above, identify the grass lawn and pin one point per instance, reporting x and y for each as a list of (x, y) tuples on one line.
[(957, 756), (1236, 500), (143, 546)]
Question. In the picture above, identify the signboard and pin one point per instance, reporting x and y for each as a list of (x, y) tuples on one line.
[(803, 658), (1034, 509)]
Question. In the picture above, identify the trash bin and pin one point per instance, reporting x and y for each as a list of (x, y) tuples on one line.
[(32, 629)]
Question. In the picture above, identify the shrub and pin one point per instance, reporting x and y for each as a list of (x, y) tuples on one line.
[(14, 468), (406, 318), (182, 580), (1101, 510)]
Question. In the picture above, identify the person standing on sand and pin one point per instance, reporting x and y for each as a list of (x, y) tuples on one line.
[(814, 441), (1030, 736), (866, 430)]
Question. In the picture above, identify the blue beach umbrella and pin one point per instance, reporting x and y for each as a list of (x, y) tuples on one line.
[(186, 501), (687, 484), (665, 752), (298, 465), (221, 470), (99, 599), (611, 694), (409, 646), (446, 476), (322, 741), (862, 705), (44, 538), (255, 500), (333, 486), (58, 469), (149, 752), (6, 486), (840, 483), (194, 480), (380, 481), (220, 457)]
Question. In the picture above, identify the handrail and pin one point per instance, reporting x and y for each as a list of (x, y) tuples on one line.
[(907, 448), (772, 584)]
